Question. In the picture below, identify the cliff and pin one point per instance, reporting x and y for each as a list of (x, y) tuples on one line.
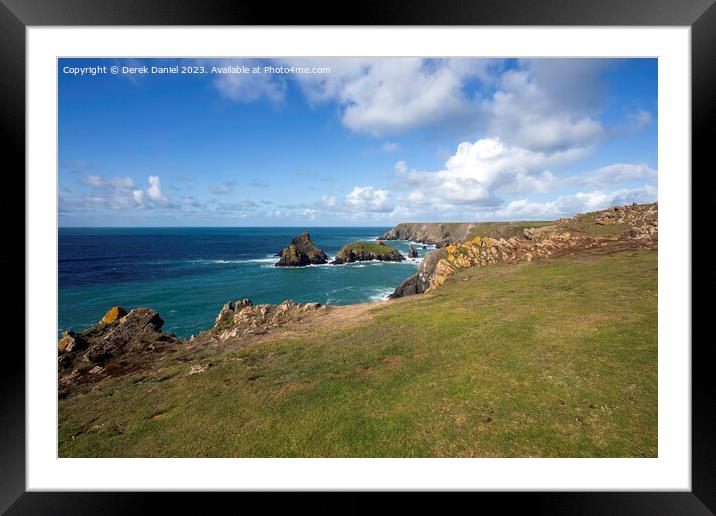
[(634, 225), (442, 234)]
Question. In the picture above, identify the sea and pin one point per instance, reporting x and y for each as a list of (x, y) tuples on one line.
[(187, 274)]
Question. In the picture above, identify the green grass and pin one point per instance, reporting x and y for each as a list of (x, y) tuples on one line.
[(504, 229), (556, 358), (368, 247), (584, 224)]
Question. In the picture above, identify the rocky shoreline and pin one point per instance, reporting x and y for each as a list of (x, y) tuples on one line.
[(637, 224), (128, 340)]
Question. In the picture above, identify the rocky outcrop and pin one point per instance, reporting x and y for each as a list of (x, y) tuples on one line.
[(445, 233), (412, 252), (437, 234), (300, 252), (109, 342), (367, 251), (640, 228), (242, 318)]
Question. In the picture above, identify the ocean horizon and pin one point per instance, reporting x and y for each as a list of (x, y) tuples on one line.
[(188, 273)]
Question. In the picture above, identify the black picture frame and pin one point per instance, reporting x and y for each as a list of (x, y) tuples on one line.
[(17, 15)]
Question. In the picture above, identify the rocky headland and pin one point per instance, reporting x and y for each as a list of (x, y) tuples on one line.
[(636, 225), (442, 234), (367, 251), (301, 252), (439, 234)]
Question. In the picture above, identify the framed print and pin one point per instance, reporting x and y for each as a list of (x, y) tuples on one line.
[(416, 253)]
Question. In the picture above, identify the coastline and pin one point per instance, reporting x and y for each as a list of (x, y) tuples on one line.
[(440, 262)]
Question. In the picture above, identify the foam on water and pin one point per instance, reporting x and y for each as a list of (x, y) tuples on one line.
[(187, 274)]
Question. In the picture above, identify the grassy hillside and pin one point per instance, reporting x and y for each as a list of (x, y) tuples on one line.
[(552, 358), (503, 229)]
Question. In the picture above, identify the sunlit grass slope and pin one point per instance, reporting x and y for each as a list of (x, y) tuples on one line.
[(556, 358)]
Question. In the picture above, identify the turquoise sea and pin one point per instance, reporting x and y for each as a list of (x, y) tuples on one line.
[(187, 274)]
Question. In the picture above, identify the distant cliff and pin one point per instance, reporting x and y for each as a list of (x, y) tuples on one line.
[(634, 225), (442, 234), (439, 234)]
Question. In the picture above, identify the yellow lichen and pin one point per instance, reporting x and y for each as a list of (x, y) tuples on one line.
[(113, 314)]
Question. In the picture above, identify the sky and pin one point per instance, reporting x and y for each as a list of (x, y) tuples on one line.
[(351, 141)]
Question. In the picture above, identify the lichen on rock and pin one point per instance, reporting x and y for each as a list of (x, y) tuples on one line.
[(242, 318), (535, 243), (113, 314)]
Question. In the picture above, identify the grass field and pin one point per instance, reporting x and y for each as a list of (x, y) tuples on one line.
[(556, 358)]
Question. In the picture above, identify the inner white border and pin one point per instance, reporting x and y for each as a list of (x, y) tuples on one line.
[(671, 470)]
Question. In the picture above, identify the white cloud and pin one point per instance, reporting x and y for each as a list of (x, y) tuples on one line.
[(616, 173), (311, 213), (386, 96), (523, 112), (328, 201), (113, 182), (478, 172), (541, 104), (390, 146), (154, 192), (138, 196), (249, 87), (640, 119), (569, 205), (367, 198)]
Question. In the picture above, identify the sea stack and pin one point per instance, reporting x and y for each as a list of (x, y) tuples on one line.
[(412, 252), (367, 251), (300, 252)]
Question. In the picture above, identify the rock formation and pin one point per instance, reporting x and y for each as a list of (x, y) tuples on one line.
[(445, 233), (636, 224), (241, 318), (112, 342), (436, 234), (301, 251), (367, 251), (412, 252)]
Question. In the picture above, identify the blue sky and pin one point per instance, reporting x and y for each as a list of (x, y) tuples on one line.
[(369, 142)]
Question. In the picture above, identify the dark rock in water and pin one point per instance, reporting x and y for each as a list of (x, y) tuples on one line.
[(408, 287), (420, 281), (302, 251), (425, 247), (367, 251), (412, 252)]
